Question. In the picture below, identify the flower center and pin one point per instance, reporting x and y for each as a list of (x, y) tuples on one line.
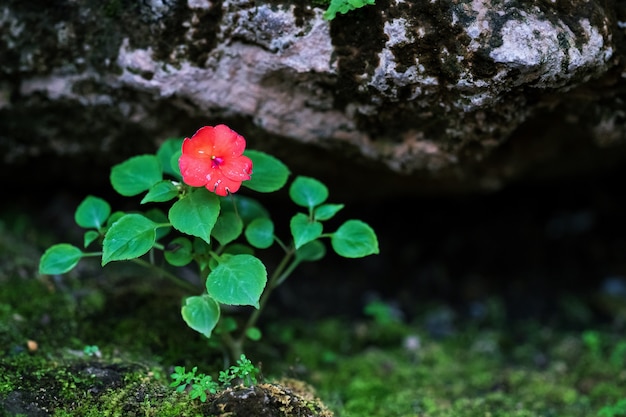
[(216, 161)]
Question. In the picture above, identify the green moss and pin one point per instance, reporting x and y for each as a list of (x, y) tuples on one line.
[(485, 372)]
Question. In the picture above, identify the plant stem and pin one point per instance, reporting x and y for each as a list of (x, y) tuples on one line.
[(235, 345), (166, 274)]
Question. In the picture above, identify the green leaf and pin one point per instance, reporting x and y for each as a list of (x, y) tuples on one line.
[(179, 252), (254, 334), (59, 259), (268, 173), (201, 313), (136, 175), (260, 233), (89, 237), (157, 216), (160, 192), (168, 149), (202, 253), (228, 325), (354, 239), (227, 228), (130, 237), (312, 251), (326, 211), (115, 217), (238, 249), (196, 213), (247, 208), (174, 165), (303, 230), (344, 6), (308, 192), (201, 248), (213, 262), (238, 280), (92, 212)]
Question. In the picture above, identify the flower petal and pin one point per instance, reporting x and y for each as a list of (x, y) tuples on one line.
[(237, 168), (195, 171), (201, 144), (227, 143), (221, 185)]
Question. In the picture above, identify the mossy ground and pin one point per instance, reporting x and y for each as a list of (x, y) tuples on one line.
[(375, 365), (531, 370)]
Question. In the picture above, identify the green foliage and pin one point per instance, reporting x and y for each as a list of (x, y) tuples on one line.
[(219, 234), (179, 252), (92, 212), (269, 174), (381, 312), (312, 251), (344, 6), (59, 259), (308, 192), (613, 410), (304, 230), (228, 227), (132, 236), (196, 213), (243, 371), (91, 350), (354, 239), (237, 280), (327, 211), (168, 155), (260, 233), (199, 384), (160, 192), (201, 313), (253, 333), (136, 175)]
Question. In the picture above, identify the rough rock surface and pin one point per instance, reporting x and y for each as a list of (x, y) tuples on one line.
[(454, 93)]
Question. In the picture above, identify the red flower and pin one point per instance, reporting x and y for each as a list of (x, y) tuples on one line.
[(213, 158)]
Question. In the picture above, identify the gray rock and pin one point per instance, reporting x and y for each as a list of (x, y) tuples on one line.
[(457, 94)]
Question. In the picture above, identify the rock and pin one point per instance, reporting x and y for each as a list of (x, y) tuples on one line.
[(294, 398), (442, 94)]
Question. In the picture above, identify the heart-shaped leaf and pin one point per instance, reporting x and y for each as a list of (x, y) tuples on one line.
[(237, 280)]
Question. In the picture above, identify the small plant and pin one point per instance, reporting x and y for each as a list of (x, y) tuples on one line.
[(614, 410), (344, 6), (200, 384), (211, 228), (382, 313), (598, 349), (592, 341), (92, 350)]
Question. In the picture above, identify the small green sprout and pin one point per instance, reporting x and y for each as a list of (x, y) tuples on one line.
[(182, 378), (344, 6), (245, 371), (201, 383), (381, 312), (92, 350), (204, 384)]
